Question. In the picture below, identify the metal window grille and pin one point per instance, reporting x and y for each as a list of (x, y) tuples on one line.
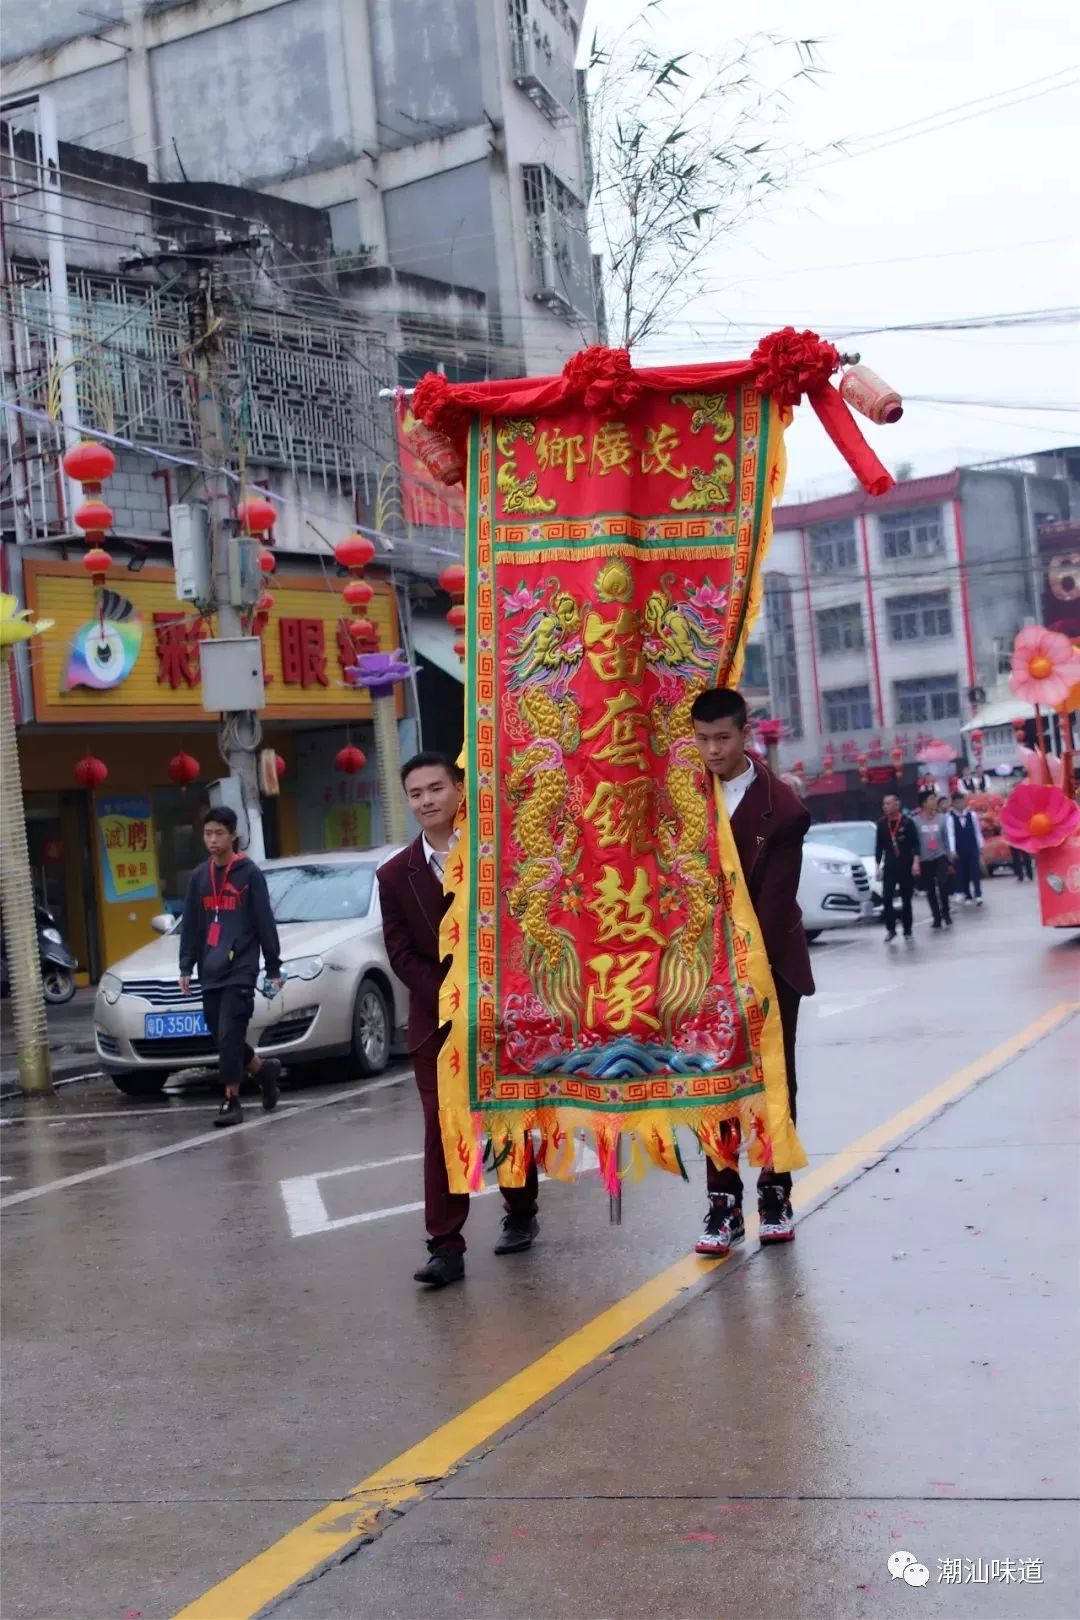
[(916, 534), (840, 629), (832, 548), (920, 618), (847, 708), (783, 661), (552, 213), (926, 698)]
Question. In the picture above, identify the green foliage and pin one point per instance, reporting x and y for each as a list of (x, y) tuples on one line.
[(686, 147)]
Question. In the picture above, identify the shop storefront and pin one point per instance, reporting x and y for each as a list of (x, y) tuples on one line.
[(125, 688)]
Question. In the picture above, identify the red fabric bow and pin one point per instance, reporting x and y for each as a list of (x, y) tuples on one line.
[(433, 403), (791, 364), (603, 379)]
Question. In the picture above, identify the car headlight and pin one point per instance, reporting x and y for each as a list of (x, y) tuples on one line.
[(834, 868), (303, 967), (111, 988), (53, 934)]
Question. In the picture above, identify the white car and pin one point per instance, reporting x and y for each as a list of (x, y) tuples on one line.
[(341, 1002), (833, 887), (858, 837)]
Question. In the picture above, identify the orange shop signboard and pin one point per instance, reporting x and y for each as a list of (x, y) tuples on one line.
[(132, 650)]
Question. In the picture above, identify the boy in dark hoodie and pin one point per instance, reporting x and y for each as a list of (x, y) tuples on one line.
[(227, 921)]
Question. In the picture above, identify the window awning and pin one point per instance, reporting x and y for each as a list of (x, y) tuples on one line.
[(1002, 713), (434, 640)]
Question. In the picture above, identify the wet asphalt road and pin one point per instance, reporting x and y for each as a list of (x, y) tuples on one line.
[(207, 1336)]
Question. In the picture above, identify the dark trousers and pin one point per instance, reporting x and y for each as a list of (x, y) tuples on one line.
[(728, 1179), (897, 880), (1022, 864), (968, 879), (228, 1013), (934, 877), (445, 1212)]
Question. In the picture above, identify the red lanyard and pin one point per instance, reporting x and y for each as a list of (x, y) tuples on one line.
[(894, 828), (217, 895)]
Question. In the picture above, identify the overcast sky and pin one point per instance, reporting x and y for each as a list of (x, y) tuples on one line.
[(977, 219)]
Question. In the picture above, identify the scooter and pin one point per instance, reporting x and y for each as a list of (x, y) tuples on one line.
[(57, 963)]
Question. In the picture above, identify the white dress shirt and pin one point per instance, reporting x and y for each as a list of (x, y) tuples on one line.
[(435, 858), (735, 790)]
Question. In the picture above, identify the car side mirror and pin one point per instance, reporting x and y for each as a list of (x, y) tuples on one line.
[(164, 924)]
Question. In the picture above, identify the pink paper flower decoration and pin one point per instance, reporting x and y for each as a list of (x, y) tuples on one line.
[(1045, 666), (1036, 818), (1033, 766)]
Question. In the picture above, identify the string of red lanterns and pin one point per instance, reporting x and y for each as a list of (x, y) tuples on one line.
[(353, 554), (90, 464), (452, 580)]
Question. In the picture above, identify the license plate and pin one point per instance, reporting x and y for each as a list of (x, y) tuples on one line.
[(173, 1025)]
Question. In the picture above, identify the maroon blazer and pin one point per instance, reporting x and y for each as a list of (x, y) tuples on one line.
[(769, 826), (412, 907)]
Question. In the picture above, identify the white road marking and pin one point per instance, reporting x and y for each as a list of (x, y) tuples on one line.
[(201, 1140), (832, 1003), (307, 1213)]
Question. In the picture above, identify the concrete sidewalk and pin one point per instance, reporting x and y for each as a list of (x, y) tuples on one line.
[(903, 1378), (71, 1041)]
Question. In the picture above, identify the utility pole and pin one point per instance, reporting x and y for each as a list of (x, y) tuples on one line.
[(240, 730)]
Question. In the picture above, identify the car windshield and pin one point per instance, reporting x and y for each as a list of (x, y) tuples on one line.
[(858, 836), (311, 894)]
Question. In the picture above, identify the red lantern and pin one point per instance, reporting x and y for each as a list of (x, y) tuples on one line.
[(267, 561), (896, 753), (363, 630), (183, 768), (439, 454), (456, 616), (355, 551), (459, 648), (452, 580), (863, 762), (279, 765), (97, 564), (257, 515), (358, 593), (350, 760), (89, 463), (90, 772), (828, 758), (94, 517), (977, 743), (265, 605)]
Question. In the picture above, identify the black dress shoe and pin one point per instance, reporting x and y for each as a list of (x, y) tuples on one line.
[(515, 1236), (269, 1078), (443, 1267)]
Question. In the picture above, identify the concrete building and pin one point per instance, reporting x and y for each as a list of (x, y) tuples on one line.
[(889, 622), (445, 139)]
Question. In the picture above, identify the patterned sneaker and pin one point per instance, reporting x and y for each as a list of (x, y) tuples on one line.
[(775, 1215), (723, 1226)]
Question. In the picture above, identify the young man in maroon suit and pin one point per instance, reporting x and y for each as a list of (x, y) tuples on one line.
[(769, 822), (413, 902)]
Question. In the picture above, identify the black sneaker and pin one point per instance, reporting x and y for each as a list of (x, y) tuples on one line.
[(269, 1078), (230, 1112), (935, 925), (948, 922), (444, 1266), (515, 1236), (777, 1222), (890, 935), (723, 1226)]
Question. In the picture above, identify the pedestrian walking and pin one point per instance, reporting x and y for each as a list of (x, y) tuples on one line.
[(897, 857), (227, 922), (933, 868), (413, 903), (965, 846), (768, 822), (1022, 864)]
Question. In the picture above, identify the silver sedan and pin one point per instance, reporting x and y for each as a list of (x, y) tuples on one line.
[(341, 1003)]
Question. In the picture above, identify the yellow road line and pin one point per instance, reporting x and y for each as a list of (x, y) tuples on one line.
[(349, 1519)]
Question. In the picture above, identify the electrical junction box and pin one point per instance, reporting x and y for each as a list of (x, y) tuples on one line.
[(232, 675), (246, 579), (191, 553)]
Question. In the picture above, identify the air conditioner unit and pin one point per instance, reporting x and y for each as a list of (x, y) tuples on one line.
[(550, 286), (532, 53)]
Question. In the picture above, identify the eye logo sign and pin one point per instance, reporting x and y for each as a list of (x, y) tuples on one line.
[(905, 1566), (104, 649)]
